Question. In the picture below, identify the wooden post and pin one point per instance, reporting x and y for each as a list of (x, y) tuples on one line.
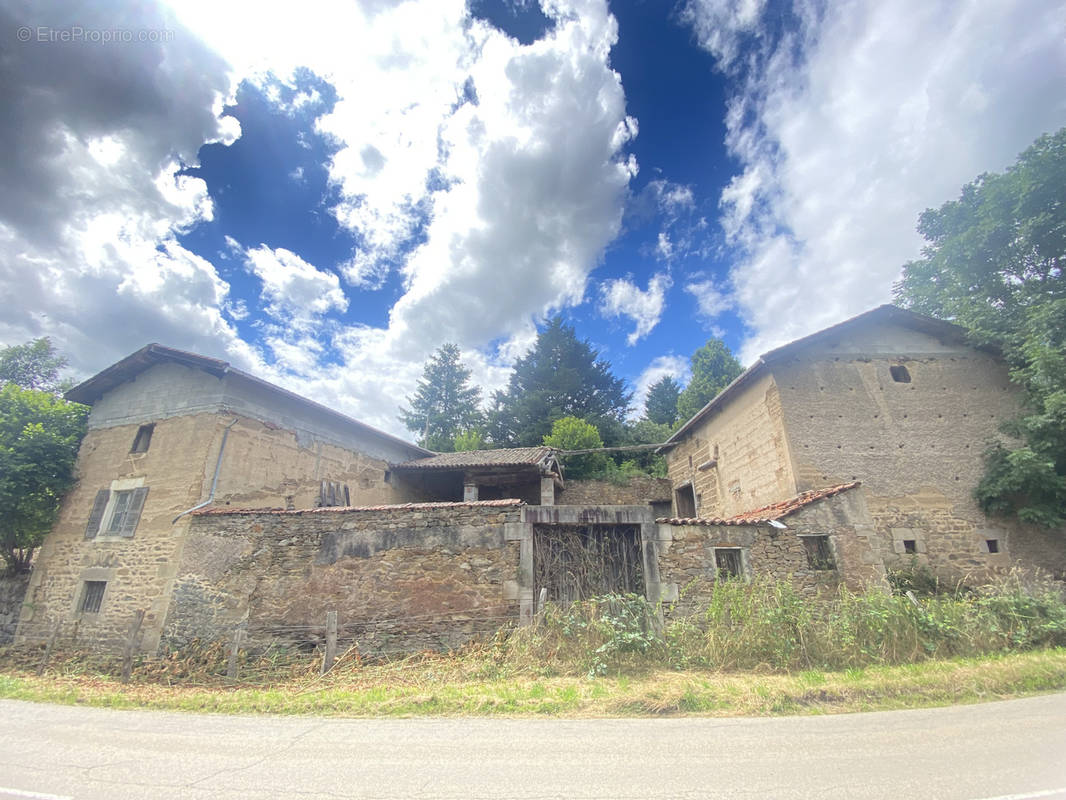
[(48, 649), (131, 641), (541, 600), (331, 641), (231, 667)]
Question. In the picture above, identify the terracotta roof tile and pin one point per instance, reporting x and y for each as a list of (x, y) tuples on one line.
[(766, 513), (508, 457), (224, 511)]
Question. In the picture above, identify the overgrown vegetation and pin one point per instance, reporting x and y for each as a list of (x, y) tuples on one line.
[(993, 262)]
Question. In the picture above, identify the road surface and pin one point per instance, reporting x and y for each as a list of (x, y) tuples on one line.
[(1014, 750)]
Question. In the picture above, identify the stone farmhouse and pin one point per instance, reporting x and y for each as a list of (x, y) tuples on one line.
[(209, 499)]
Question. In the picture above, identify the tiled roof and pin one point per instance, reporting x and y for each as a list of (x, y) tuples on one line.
[(766, 513), (509, 457), (220, 511)]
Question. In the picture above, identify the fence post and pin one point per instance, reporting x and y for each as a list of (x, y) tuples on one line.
[(541, 600), (131, 640), (231, 667), (331, 641), (48, 649)]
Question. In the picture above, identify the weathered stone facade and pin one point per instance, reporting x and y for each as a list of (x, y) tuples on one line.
[(12, 592), (897, 401), (429, 576), (636, 491)]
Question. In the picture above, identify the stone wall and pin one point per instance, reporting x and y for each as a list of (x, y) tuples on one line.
[(426, 576), (737, 458), (915, 444), (637, 490), (687, 566), (12, 592)]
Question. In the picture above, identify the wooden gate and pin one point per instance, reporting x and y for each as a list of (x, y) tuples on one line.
[(575, 562)]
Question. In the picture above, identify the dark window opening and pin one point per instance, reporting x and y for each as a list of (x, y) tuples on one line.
[(685, 499), (910, 546), (819, 556), (576, 562), (900, 374), (993, 545), (143, 439), (727, 562), (332, 493), (91, 596)]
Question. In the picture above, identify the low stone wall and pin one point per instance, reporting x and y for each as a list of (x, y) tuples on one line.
[(421, 577), (12, 592), (638, 490)]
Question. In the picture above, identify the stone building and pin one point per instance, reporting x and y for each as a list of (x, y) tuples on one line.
[(892, 400), (171, 431), (209, 499)]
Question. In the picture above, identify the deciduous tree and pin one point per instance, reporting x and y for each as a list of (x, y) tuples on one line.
[(713, 368), (993, 263)]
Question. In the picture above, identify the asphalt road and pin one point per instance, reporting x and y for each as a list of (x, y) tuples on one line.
[(1012, 750)]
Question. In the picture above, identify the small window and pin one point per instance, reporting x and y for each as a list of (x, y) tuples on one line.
[(92, 595), (910, 546), (993, 545), (686, 502), (900, 374), (819, 556), (727, 562), (143, 439), (120, 512)]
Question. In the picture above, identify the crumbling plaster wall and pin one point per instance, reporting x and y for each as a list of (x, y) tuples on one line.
[(916, 445), (399, 579), (753, 466), (687, 552)]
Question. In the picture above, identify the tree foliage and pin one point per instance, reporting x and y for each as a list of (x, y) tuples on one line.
[(39, 438), (560, 376), (713, 368), (660, 406), (444, 404), (993, 263), (571, 433), (33, 365)]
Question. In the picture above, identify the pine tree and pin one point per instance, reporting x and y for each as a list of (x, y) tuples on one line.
[(444, 403), (660, 406), (559, 377)]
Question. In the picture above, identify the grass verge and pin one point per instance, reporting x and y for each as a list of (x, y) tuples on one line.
[(426, 686)]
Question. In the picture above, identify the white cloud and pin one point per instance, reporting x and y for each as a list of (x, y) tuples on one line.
[(294, 292), (851, 125), (711, 299), (622, 297), (661, 367)]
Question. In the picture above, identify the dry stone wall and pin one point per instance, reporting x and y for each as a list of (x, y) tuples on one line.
[(12, 592), (637, 490), (428, 576)]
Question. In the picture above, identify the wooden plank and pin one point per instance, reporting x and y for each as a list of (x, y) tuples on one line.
[(331, 642), (234, 650), (131, 643)]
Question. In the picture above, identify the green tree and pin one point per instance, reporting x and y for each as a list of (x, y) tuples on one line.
[(713, 368), (471, 439), (39, 438), (660, 406), (33, 365), (560, 376), (571, 433), (993, 263), (444, 404)]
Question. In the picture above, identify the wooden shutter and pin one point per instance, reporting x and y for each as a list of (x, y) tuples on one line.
[(97, 514), (133, 515)]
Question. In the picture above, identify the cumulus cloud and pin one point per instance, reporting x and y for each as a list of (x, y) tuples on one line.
[(711, 299), (622, 297), (95, 134), (853, 122), (294, 292)]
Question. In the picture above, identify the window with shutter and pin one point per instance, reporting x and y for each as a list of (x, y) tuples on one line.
[(96, 516)]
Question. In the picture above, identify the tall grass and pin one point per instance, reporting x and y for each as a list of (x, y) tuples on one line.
[(770, 626)]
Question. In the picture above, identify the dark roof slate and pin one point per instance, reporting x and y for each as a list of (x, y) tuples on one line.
[(760, 516)]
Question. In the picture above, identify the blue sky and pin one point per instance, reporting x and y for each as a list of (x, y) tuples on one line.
[(323, 197)]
